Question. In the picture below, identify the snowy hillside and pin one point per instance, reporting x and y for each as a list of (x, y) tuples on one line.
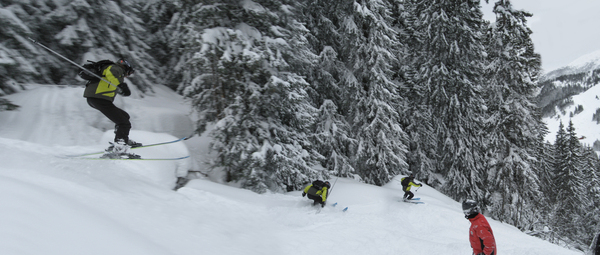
[(585, 127), (56, 205)]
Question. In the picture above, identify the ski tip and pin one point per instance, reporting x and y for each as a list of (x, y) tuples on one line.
[(345, 209), (334, 204)]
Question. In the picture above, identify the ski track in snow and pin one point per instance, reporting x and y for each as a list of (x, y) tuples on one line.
[(53, 205)]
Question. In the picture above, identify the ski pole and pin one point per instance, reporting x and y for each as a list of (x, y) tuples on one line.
[(331, 190), (68, 60)]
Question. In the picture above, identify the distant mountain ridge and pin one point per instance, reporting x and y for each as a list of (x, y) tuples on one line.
[(559, 86), (585, 63)]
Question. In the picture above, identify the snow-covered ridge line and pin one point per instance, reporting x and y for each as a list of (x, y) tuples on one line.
[(585, 63)]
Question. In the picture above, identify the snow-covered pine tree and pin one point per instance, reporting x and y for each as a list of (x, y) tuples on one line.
[(381, 151), (21, 61), (591, 170), (551, 185), (544, 168), (241, 79), (332, 139), (323, 20), (79, 30), (108, 29), (416, 119), (332, 136), (513, 127), (450, 66), (590, 220), (571, 196), (9, 58), (163, 20)]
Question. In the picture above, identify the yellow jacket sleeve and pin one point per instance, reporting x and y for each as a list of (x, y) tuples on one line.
[(414, 184), (307, 188)]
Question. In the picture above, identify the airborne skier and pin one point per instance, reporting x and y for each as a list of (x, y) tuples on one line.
[(100, 96)]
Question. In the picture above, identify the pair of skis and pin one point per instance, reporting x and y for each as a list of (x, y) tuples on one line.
[(343, 210), (414, 200), (85, 155), (319, 208)]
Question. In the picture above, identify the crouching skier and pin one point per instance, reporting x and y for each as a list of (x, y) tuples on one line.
[(317, 191), (406, 183)]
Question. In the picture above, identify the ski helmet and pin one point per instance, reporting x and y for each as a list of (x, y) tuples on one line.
[(327, 184), (125, 64), (470, 207)]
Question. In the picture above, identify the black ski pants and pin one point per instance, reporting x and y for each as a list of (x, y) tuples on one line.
[(115, 114), (408, 195), (317, 199)]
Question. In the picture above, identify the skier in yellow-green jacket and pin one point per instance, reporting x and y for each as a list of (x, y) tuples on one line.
[(100, 96), (407, 182), (317, 191)]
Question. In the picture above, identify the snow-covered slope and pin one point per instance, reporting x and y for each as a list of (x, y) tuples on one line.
[(585, 127), (584, 124), (65, 206), (54, 205)]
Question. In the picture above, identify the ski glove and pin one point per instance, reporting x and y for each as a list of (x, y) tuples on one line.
[(303, 194), (323, 204), (123, 90)]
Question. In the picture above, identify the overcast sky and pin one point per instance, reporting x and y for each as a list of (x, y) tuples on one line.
[(563, 30)]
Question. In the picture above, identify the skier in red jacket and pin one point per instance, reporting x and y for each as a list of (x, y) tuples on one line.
[(480, 233)]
